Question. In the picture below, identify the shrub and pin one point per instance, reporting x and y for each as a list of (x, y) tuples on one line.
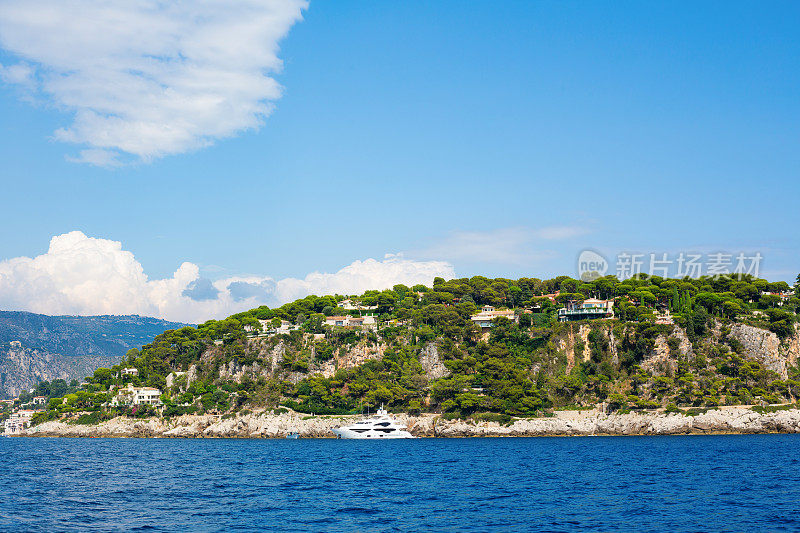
[(43, 416), (500, 418), (90, 419)]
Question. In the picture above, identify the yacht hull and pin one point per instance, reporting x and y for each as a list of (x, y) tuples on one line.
[(345, 433), (380, 426)]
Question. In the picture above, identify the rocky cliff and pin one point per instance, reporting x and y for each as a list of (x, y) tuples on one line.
[(565, 423), (22, 368), (766, 347), (268, 357), (36, 347)]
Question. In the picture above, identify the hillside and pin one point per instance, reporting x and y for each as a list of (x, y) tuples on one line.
[(22, 368), (670, 345), (37, 347), (104, 335)]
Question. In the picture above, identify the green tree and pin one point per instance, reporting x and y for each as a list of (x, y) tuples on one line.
[(103, 376), (386, 301)]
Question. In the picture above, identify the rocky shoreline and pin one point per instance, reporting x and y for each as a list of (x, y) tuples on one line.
[(724, 420)]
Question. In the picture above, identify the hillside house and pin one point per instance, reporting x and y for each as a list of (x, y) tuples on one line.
[(591, 308), (348, 321), (17, 422), (489, 313), (348, 305), (172, 376), (286, 327), (783, 297), (137, 396), (665, 318)]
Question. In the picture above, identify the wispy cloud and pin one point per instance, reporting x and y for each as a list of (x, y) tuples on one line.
[(148, 79), (19, 74), (507, 246), (557, 233)]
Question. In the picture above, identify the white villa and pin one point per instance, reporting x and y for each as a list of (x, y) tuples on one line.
[(284, 328), (129, 372), (489, 313), (137, 396), (349, 321), (588, 309), (348, 305), (18, 422)]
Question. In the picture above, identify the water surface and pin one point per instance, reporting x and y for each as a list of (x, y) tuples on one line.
[(686, 483)]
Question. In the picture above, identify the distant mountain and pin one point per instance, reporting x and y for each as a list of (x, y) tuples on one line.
[(105, 335), (22, 368), (68, 347)]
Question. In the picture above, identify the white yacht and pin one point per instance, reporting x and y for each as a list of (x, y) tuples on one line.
[(378, 426)]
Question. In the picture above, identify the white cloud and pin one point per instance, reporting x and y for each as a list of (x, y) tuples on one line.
[(557, 233), (149, 78), (365, 275), (86, 275), (507, 246), (19, 74)]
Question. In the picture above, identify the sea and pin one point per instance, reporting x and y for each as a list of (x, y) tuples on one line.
[(670, 483)]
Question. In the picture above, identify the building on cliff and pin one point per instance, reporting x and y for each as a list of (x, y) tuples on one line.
[(17, 422), (137, 396), (588, 309), (489, 313), (348, 305), (267, 328), (350, 322)]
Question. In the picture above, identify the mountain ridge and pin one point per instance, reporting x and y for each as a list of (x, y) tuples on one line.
[(67, 346), (75, 335)]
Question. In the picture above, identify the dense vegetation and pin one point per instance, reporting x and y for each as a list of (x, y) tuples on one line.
[(522, 368)]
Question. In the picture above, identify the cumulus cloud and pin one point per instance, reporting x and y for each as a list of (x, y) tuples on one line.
[(200, 290), (365, 275), (507, 246), (86, 275), (260, 289), (151, 78)]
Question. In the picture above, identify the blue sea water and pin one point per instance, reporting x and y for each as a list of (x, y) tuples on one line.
[(686, 483)]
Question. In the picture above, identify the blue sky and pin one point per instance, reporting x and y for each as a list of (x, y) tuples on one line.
[(501, 138)]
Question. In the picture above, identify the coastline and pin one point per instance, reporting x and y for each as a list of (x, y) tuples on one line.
[(723, 420)]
